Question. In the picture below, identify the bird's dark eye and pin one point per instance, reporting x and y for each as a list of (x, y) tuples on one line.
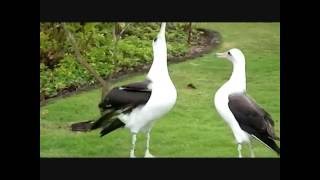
[(155, 39), (229, 53)]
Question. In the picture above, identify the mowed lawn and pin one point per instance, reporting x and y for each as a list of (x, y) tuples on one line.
[(193, 128)]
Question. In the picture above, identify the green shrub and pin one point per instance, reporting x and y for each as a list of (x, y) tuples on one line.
[(59, 69)]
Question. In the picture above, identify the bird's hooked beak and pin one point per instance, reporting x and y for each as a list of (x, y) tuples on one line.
[(162, 33), (162, 30), (222, 55)]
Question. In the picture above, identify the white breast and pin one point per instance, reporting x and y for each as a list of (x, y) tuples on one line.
[(221, 101), (161, 101)]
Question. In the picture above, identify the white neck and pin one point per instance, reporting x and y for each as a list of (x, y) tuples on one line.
[(238, 77), (159, 68)]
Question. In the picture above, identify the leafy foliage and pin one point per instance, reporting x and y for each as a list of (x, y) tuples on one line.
[(60, 71)]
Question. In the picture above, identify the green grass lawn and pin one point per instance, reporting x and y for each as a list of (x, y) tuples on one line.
[(193, 128)]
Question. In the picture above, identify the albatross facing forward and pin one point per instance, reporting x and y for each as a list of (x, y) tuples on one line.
[(245, 118), (138, 105)]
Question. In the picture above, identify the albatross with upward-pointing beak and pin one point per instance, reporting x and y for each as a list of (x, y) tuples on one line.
[(137, 106)]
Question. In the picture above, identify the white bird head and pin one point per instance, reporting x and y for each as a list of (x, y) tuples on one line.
[(159, 43), (234, 55)]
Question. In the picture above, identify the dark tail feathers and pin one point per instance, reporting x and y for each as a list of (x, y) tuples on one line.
[(269, 142), (82, 126), (275, 147), (106, 121), (115, 124), (91, 125)]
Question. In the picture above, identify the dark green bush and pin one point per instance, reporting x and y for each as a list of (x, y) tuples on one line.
[(59, 69)]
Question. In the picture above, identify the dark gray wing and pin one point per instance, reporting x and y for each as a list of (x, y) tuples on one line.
[(138, 86), (133, 94), (253, 119), (119, 100)]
